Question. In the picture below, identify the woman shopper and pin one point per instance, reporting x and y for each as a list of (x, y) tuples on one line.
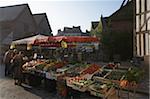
[(17, 63)]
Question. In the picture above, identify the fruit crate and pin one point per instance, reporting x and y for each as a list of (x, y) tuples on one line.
[(68, 83), (103, 93), (81, 88), (116, 75), (90, 69), (78, 83), (111, 91), (100, 76), (110, 66)]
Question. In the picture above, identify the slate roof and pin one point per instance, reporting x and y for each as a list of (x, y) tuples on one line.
[(10, 13), (73, 31), (40, 17), (124, 13)]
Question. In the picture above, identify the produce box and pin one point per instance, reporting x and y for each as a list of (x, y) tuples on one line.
[(116, 75), (64, 69), (101, 89), (122, 68), (78, 83), (101, 75), (49, 66), (110, 66), (90, 69), (76, 70), (35, 64), (82, 85), (29, 65)]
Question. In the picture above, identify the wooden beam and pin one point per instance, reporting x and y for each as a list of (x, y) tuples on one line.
[(143, 32), (145, 22), (143, 12)]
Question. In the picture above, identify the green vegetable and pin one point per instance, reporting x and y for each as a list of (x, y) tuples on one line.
[(134, 74)]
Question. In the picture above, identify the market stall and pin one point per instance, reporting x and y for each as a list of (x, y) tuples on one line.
[(70, 46), (64, 72), (72, 74)]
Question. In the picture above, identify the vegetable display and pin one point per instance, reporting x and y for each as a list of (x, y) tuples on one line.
[(91, 69), (100, 89), (115, 75), (98, 80)]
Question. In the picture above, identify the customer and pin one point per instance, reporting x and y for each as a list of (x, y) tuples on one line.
[(7, 58), (14, 53), (18, 62)]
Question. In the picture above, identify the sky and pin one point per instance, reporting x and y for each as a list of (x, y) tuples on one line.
[(68, 13)]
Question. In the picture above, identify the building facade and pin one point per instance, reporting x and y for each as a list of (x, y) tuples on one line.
[(17, 22), (72, 31), (117, 32), (142, 27)]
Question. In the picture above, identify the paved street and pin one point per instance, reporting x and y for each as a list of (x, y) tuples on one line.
[(9, 91)]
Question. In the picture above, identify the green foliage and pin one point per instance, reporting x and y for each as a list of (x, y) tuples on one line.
[(134, 74)]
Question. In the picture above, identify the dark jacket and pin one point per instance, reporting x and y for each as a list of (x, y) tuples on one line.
[(17, 64)]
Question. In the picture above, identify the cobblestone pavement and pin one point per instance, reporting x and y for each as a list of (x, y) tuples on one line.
[(9, 91)]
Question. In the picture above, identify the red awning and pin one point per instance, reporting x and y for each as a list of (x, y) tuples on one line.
[(56, 38), (81, 39), (73, 39), (69, 39)]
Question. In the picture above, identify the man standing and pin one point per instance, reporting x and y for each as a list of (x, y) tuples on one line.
[(7, 58)]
